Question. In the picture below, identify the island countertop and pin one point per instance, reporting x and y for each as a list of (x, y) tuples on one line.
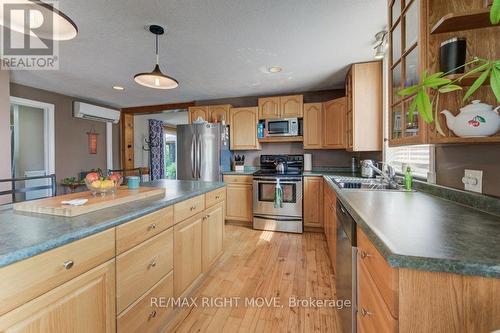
[(24, 235), (419, 231)]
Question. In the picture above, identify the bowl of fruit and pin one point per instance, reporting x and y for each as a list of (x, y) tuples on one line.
[(98, 184)]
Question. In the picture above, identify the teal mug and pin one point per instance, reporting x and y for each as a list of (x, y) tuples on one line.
[(133, 182)]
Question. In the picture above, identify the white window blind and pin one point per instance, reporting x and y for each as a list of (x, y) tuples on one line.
[(417, 157)]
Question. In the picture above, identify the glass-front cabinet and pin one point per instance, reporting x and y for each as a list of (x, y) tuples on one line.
[(406, 61)]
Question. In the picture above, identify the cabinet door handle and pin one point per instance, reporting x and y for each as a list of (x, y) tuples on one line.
[(68, 264), (152, 314), (192, 208), (152, 226), (365, 312), (152, 263), (364, 254)]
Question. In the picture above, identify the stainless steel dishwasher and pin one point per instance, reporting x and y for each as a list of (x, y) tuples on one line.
[(345, 278)]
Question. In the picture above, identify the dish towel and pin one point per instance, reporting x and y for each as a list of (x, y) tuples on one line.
[(278, 195)]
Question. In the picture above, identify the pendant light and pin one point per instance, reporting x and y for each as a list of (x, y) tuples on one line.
[(63, 28), (156, 79)]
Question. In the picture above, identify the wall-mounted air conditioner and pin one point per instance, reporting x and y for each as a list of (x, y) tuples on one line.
[(94, 112)]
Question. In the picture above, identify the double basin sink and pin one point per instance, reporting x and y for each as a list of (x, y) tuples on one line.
[(365, 183)]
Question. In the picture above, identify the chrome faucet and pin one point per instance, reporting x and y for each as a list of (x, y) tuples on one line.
[(388, 176)]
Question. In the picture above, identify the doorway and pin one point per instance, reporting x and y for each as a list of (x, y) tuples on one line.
[(32, 143)]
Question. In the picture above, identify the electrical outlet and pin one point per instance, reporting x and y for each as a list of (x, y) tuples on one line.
[(473, 180)]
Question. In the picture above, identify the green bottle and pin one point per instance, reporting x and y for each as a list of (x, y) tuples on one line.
[(408, 179)]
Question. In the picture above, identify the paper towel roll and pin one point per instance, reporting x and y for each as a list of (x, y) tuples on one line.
[(307, 162)]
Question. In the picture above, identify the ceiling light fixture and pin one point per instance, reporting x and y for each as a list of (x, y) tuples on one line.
[(379, 48), (275, 69), (63, 28), (118, 88), (156, 79)]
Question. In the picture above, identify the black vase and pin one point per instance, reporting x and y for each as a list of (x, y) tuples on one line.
[(452, 55)]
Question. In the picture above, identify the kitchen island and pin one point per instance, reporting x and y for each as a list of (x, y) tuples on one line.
[(97, 272), (424, 264)]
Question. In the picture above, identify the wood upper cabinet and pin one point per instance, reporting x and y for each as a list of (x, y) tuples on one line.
[(219, 113), (334, 124), (313, 126), (195, 112), (269, 108), (244, 128), (313, 201), (281, 107), (83, 304), (213, 235), (364, 107), (292, 106), (239, 198), (187, 249)]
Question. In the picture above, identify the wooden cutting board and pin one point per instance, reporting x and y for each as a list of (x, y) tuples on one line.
[(53, 206)]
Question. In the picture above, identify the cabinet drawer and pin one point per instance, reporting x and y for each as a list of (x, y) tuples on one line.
[(384, 276), (140, 268), (232, 179), (135, 232), (142, 316), (39, 274), (214, 197), (373, 314), (188, 208)]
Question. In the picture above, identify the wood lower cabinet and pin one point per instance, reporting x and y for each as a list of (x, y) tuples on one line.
[(239, 198), (244, 128), (213, 235), (83, 304), (187, 249), (334, 124), (313, 126), (195, 112), (313, 201), (330, 222)]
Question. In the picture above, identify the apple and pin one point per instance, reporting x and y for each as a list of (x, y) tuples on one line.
[(92, 176), (115, 177)]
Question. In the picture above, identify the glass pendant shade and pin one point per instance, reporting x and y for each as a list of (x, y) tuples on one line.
[(156, 79), (62, 27)]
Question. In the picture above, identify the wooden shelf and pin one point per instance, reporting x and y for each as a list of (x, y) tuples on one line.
[(474, 19), (282, 139), (458, 140), (468, 81)]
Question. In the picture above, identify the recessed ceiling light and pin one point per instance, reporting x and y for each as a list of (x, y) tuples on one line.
[(118, 88), (275, 69)]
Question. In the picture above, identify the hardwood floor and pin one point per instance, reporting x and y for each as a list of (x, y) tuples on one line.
[(267, 264)]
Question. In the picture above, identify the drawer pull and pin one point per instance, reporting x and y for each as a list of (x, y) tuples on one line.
[(192, 208), (152, 226), (152, 315), (152, 263), (217, 197), (68, 264), (364, 255), (365, 312)]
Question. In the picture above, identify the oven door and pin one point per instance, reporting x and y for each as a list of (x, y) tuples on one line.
[(263, 196)]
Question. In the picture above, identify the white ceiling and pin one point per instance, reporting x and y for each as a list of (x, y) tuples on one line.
[(214, 48)]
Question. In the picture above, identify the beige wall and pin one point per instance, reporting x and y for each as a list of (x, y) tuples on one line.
[(4, 130), (71, 148)]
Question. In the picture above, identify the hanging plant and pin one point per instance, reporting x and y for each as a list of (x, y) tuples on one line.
[(495, 12)]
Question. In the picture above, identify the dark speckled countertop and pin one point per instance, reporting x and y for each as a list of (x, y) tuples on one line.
[(420, 231), (24, 235)]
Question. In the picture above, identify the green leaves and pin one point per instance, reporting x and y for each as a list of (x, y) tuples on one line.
[(449, 88), (424, 106), (495, 81), (495, 12), (478, 83)]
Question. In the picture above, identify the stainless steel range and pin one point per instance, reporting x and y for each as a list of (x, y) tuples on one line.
[(288, 169)]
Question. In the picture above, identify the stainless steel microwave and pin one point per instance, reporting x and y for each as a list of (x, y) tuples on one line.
[(282, 127)]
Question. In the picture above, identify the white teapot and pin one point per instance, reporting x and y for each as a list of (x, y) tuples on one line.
[(474, 120)]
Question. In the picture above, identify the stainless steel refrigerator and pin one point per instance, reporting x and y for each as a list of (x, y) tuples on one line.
[(202, 152)]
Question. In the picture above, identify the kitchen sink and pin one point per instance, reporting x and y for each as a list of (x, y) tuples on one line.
[(365, 183)]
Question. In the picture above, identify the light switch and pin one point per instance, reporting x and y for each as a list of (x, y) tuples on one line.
[(473, 180)]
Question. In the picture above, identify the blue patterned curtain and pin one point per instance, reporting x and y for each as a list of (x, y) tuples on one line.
[(157, 149)]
